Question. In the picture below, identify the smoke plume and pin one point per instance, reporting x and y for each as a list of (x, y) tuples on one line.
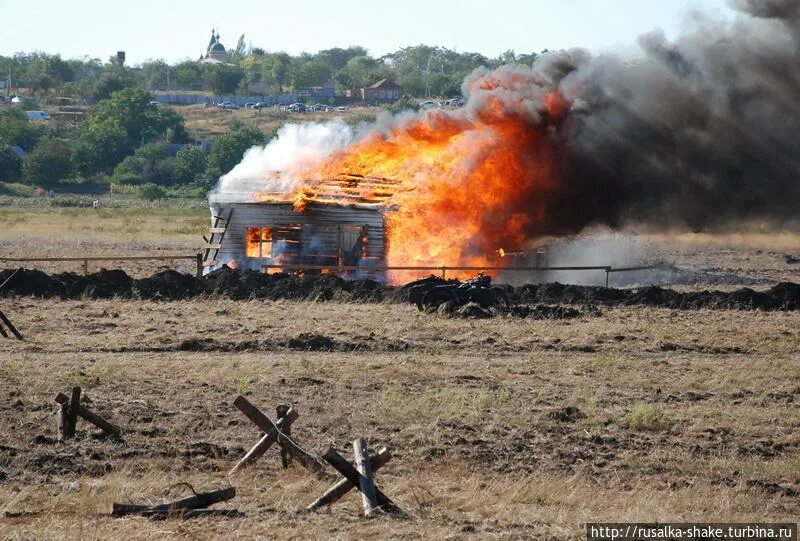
[(274, 167), (697, 131)]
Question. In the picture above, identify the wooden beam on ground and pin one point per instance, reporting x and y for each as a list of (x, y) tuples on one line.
[(343, 486), (347, 470), (99, 422), (367, 485), (198, 501), (10, 326), (193, 513)]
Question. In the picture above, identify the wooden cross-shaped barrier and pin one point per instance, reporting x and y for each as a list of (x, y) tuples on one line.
[(359, 477), (71, 409), (277, 432)]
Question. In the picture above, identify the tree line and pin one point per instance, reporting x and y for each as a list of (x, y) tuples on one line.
[(421, 71), (126, 139)]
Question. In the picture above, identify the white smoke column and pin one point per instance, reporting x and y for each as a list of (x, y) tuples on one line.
[(275, 167)]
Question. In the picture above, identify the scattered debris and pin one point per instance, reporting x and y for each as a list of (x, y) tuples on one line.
[(182, 508), (569, 414)]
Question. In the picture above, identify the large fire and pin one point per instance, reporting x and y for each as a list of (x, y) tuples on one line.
[(474, 179)]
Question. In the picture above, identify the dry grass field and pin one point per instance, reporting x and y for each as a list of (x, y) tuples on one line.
[(500, 428)]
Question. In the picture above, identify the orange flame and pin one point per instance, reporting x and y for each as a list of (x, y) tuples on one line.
[(473, 179)]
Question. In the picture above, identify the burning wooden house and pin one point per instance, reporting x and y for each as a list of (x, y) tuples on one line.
[(332, 225)]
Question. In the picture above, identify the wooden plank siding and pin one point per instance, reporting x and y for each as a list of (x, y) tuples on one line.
[(324, 219)]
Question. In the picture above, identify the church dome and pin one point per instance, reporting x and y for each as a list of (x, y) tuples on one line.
[(217, 47)]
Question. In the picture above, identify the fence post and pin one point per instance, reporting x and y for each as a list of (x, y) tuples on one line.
[(608, 271), (85, 267), (444, 273), (199, 259)]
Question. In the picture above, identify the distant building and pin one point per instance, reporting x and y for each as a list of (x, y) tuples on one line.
[(315, 92), (215, 52), (384, 90)]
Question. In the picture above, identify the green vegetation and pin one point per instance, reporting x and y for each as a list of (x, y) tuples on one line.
[(271, 72), (645, 417), (229, 148), (47, 164), (152, 192), (15, 130)]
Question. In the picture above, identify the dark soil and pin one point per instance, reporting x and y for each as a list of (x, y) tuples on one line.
[(247, 284)]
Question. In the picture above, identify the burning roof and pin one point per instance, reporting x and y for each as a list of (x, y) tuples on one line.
[(343, 190)]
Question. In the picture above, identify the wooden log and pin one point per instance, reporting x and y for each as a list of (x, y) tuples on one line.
[(266, 440), (193, 513), (72, 411), (63, 416), (367, 485), (351, 474), (259, 419), (63, 421), (10, 326), (99, 422), (3, 332), (343, 486), (198, 501)]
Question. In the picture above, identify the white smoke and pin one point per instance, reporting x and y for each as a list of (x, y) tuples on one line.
[(275, 167)]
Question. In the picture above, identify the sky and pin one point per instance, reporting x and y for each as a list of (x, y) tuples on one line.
[(179, 30)]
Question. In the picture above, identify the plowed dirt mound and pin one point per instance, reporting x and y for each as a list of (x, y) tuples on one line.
[(247, 284)]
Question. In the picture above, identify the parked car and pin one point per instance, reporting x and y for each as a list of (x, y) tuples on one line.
[(249, 105), (297, 108), (37, 115), (154, 102), (16, 99), (341, 109), (429, 104), (227, 105)]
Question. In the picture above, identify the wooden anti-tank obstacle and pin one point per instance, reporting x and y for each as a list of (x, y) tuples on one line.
[(274, 432), (69, 410), (359, 477)]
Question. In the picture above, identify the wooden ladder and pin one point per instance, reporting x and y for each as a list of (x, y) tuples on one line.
[(217, 233)]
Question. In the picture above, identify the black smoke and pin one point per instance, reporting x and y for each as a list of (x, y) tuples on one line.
[(698, 131)]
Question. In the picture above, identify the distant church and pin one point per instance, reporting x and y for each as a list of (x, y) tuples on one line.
[(215, 53)]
